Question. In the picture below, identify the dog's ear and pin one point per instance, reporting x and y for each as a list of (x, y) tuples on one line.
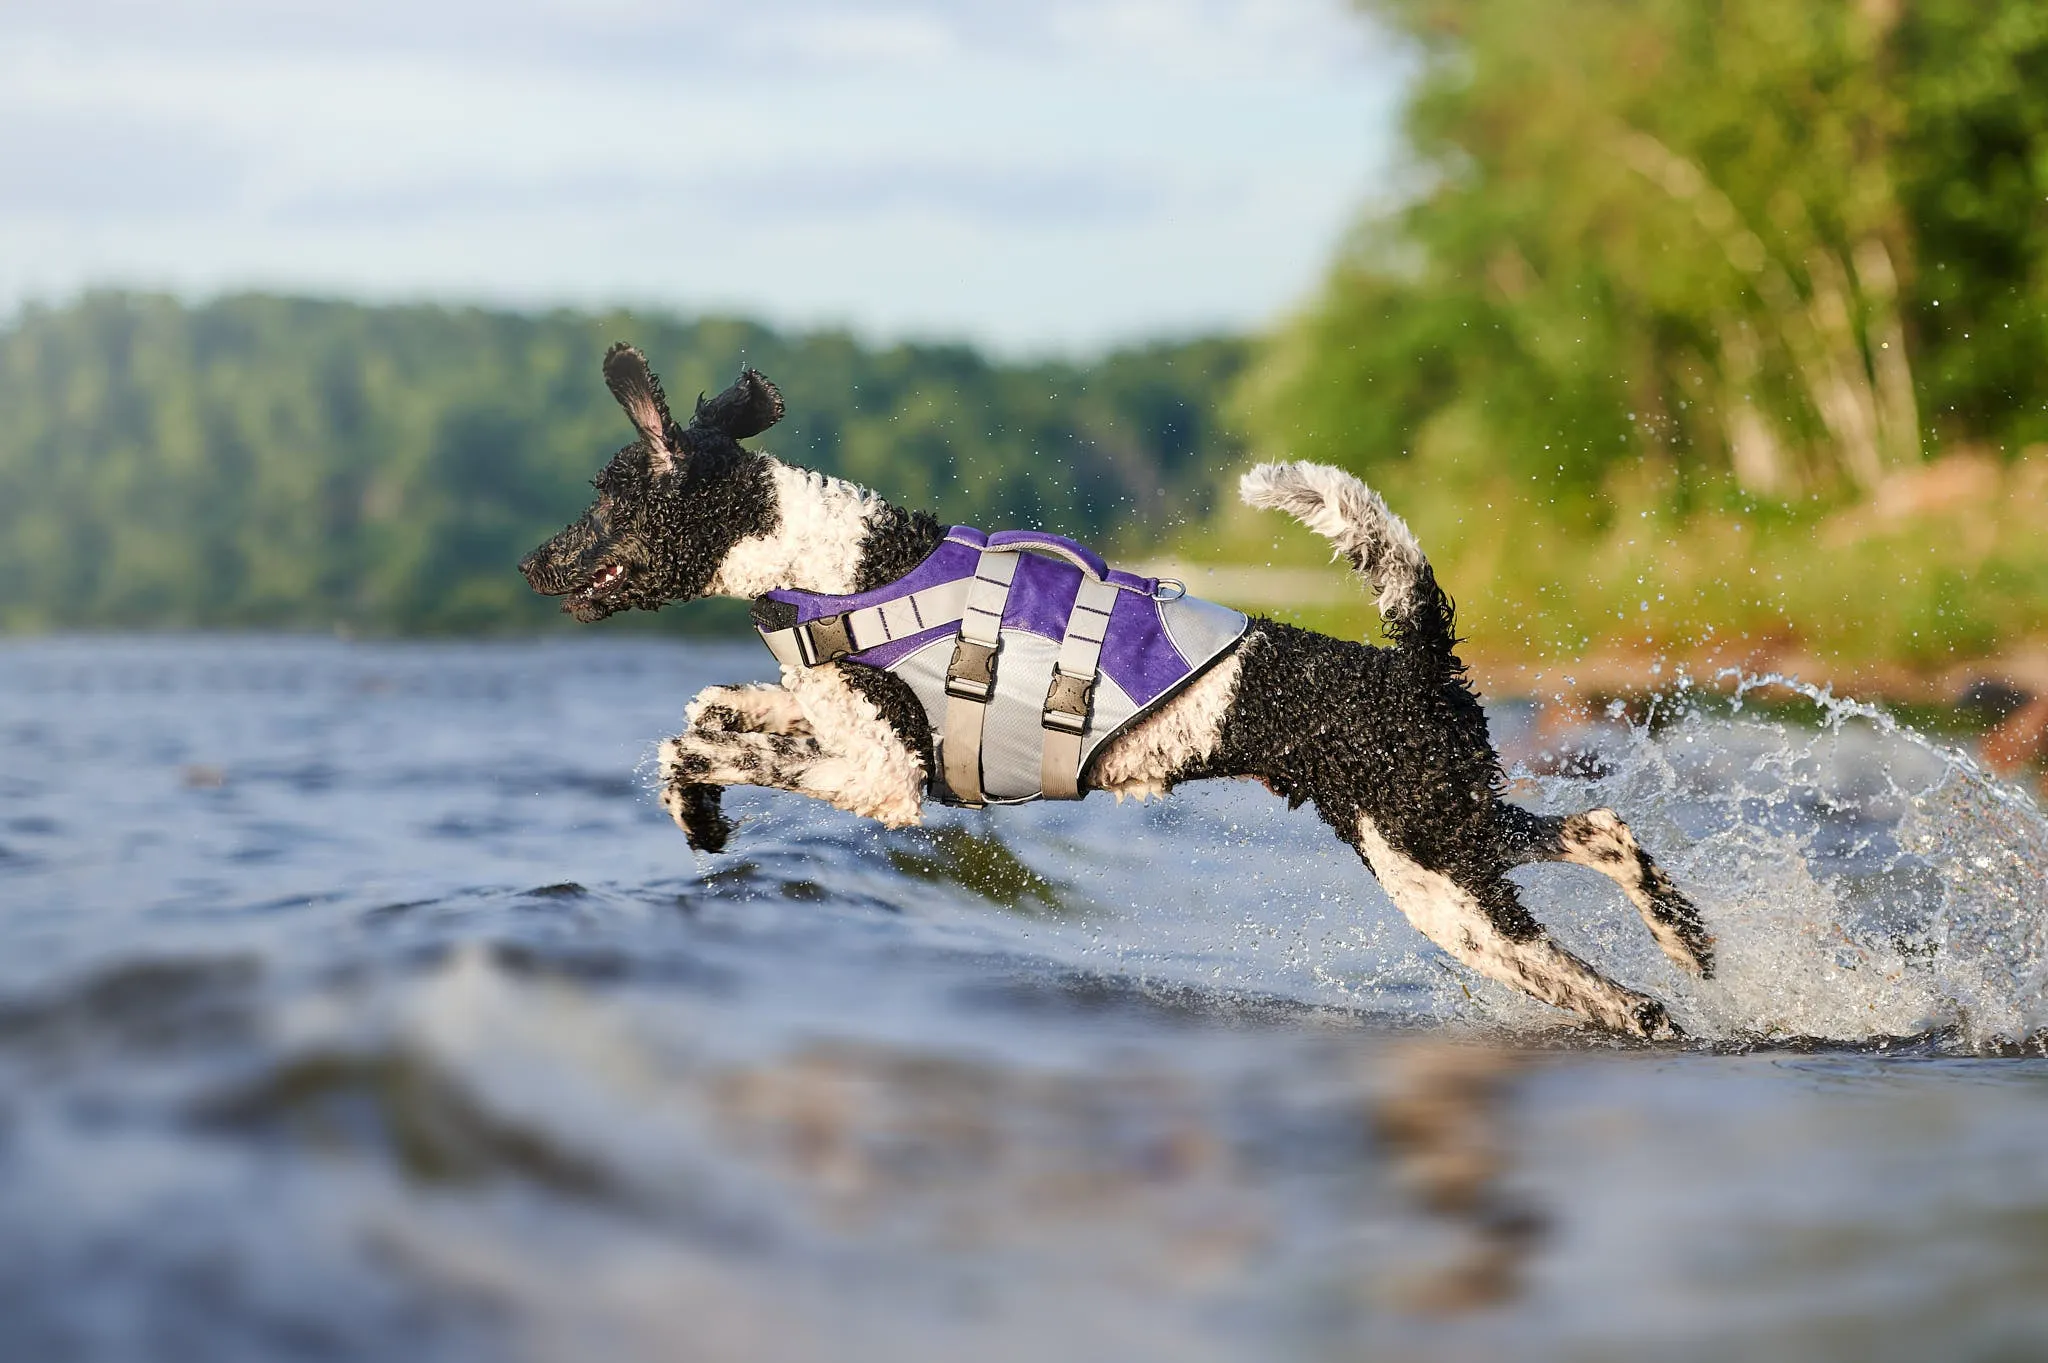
[(639, 392), (747, 408)]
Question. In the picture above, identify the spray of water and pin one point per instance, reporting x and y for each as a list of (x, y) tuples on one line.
[(1864, 881)]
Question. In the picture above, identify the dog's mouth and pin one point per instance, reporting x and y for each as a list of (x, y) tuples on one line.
[(597, 598)]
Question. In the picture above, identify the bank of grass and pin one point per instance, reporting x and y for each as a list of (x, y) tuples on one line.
[(1943, 570)]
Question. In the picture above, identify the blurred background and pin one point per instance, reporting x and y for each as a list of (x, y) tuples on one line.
[(1705, 332), (356, 1000)]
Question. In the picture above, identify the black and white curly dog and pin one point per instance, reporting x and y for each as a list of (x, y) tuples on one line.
[(1389, 744)]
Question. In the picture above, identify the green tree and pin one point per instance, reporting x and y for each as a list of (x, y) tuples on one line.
[(1778, 239)]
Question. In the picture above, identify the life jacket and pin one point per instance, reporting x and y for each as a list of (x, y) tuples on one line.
[(1026, 650)]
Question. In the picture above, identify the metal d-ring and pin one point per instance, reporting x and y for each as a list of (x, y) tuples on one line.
[(1159, 592)]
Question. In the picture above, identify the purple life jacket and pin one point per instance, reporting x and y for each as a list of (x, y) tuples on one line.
[(1027, 651)]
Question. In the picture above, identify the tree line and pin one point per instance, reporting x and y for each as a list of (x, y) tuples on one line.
[(288, 462)]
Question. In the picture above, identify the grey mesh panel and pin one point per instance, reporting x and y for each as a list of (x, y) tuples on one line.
[(1014, 729), (1201, 629), (925, 670), (1111, 710)]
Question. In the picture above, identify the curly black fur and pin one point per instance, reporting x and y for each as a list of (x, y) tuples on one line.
[(1394, 734), (669, 507), (1429, 628), (895, 543), (705, 826), (749, 407), (899, 707)]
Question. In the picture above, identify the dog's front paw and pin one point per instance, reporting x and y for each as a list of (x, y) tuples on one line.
[(690, 801), (695, 809)]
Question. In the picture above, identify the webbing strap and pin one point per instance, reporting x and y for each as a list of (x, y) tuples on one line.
[(835, 636), (1073, 686), (971, 676)]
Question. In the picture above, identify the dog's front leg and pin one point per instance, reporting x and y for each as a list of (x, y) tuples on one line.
[(696, 763), (751, 708), (831, 746), (756, 707)]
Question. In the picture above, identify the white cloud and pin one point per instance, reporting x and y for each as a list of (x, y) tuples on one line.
[(1027, 174)]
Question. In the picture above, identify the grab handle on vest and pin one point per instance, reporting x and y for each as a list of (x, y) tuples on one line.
[(1080, 555)]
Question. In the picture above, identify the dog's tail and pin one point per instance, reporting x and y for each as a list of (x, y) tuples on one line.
[(1379, 544)]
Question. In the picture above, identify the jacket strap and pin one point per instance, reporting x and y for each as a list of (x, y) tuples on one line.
[(831, 637), (971, 675), (1067, 700)]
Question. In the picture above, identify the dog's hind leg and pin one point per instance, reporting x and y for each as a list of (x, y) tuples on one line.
[(1492, 933), (1598, 839)]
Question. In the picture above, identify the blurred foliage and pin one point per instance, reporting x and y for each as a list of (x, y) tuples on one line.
[(1676, 291), (1774, 246), (286, 462), (1945, 564)]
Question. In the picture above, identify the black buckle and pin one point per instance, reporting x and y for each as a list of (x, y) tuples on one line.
[(824, 640), (972, 673), (1066, 702)]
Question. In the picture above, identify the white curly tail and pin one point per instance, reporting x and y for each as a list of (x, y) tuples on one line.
[(1356, 520)]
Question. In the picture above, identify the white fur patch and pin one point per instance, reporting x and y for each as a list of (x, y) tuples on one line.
[(762, 708), (1142, 759), (815, 545), (1353, 517), (863, 767), (1450, 917)]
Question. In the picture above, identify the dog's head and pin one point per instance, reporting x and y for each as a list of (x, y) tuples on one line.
[(670, 506)]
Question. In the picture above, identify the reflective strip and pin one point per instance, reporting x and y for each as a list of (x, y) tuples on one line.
[(981, 625), (782, 643), (872, 626), (1059, 770)]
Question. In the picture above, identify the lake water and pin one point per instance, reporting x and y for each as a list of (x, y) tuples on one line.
[(358, 1001)]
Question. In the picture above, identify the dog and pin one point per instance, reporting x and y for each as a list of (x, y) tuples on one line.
[(1388, 744)]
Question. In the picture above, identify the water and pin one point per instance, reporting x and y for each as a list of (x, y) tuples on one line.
[(357, 1001)]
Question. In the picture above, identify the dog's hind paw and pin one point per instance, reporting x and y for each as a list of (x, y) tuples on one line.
[(695, 809), (1653, 1023)]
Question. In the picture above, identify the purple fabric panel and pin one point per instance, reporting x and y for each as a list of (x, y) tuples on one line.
[(1138, 655), (947, 563), (1042, 596), (896, 650), (1040, 600)]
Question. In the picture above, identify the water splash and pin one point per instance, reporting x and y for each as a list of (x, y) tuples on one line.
[(1865, 881)]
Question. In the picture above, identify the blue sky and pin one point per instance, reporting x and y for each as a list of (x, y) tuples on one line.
[(1033, 176)]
